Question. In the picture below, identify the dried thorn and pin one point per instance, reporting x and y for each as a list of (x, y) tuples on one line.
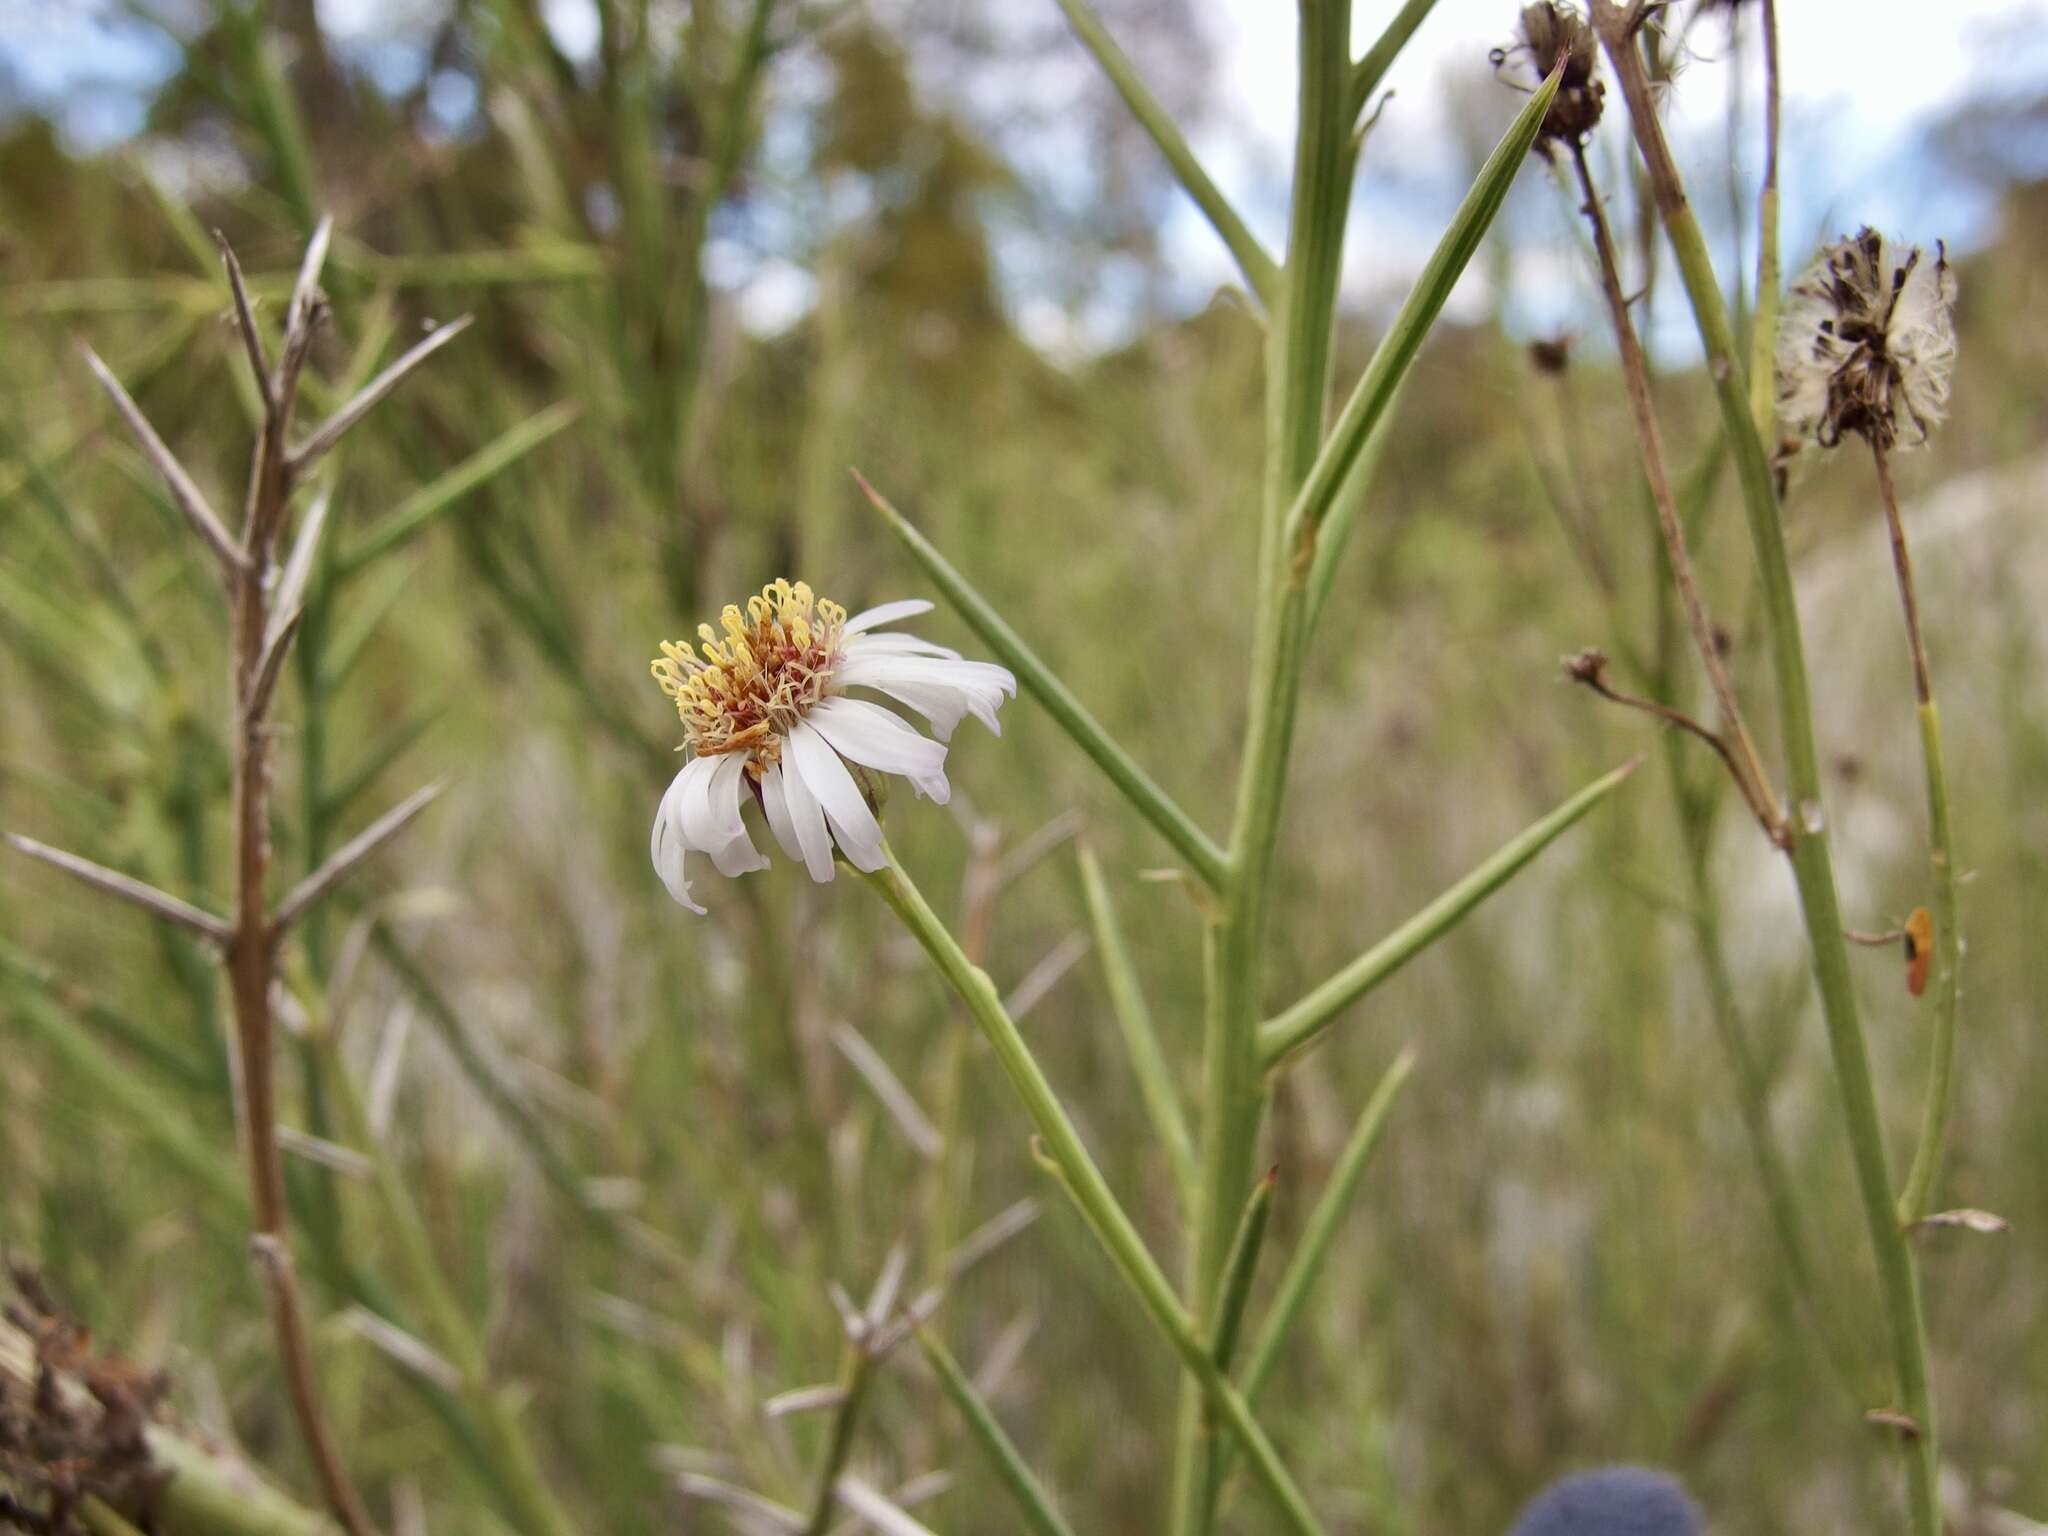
[(1968, 1218), (245, 322), (411, 1353), (328, 1154), (1890, 1418), (270, 663), (350, 854), (1039, 981), (299, 310), (298, 569), (903, 1108), (183, 490), (135, 892), (804, 1400), (336, 426)]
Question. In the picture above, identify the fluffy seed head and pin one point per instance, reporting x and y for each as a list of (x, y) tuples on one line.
[(1867, 343)]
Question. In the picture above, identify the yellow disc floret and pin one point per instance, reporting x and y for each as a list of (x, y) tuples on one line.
[(745, 691)]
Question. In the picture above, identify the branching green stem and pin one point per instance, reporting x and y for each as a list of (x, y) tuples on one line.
[(1251, 258), (1301, 1024), (1090, 1192), (1811, 863)]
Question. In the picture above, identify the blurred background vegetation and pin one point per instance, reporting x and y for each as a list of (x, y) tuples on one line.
[(642, 1145)]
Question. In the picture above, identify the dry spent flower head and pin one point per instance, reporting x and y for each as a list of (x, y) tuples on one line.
[(1867, 343), (765, 716), (1552, 33)]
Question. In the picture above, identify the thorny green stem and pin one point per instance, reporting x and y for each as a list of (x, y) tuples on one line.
[(1918, 1197), (1090, 1192), (1811, 864), (1297, 391)]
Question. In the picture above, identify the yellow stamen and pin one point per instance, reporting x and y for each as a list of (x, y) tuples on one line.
[(743, 692)]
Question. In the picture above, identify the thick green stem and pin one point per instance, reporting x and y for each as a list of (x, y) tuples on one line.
[(1811, 864), (1090, 1192), (1297, 393)]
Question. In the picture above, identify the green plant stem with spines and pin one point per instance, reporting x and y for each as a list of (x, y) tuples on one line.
[(1090, 1192), (1812, 865)]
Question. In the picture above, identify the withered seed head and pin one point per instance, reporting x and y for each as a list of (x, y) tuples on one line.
[(1867, 344), (1551, 355), (1551, 33), (1589, 666)]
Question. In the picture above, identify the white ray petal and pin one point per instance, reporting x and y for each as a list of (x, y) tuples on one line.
[(775, 805), (853, 824), (940, 690), (807, 820), (868, 734), (886, 613), (665, 846), (893, 643)]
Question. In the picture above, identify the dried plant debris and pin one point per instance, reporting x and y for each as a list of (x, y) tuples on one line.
[(75, 1426)]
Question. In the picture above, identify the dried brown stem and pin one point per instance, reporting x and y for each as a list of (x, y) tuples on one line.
[(245, 322), (252, 951), (1902, 565), (1733, 741), (336, 426), (344, 859)]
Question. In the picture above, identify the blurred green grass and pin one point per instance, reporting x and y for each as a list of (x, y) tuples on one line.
[(1559, 1256)]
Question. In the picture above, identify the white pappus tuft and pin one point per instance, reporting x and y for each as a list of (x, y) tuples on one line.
[(1867, 343)]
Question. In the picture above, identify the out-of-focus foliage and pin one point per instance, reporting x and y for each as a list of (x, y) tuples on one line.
[(1559, 1256)]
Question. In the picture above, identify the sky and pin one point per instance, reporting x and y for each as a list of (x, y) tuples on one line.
[(1863, 81)]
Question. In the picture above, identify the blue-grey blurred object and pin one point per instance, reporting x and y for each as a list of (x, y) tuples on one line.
[(1614, 1501)]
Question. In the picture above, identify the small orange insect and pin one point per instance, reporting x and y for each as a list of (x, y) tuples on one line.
[(1919, 950)]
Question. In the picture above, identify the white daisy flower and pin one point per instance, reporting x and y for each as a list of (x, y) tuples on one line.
[(766, 716), (1867, 343)]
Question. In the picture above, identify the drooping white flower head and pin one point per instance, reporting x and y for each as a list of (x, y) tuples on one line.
[(1867, 344), (766, 717)]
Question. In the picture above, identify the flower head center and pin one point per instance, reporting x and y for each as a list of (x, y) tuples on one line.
[(742, 692)]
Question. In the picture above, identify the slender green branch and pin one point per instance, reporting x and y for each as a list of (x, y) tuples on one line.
[(400, 525), (1367, 73), (1811, 863), (1917, 1199), (1376, 389), (1251, 258), (1085, 1184), (1240, 1268), (1134, 1020), (1145, 795), (854, 1377), (1004, 1459), (1306, 1265), (1299, 1025)]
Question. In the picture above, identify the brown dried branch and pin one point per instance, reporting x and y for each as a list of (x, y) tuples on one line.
[(245, 322), (350, 854), (127, 888), (190, 501), (336, 426)]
